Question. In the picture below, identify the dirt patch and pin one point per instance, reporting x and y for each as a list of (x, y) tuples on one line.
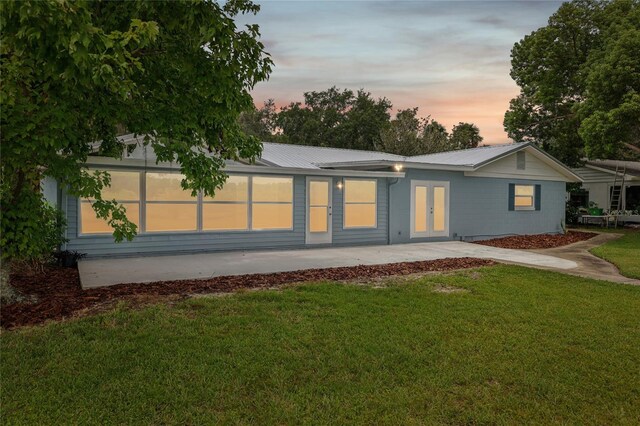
[(448, 289), (538, 241), (58, 293)]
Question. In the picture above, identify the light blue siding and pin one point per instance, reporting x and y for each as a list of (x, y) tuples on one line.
[(189, 242), (478, 207)]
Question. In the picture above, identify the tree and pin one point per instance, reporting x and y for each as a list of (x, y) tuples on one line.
[(75, 72), (260, 123), (464, 136), (579, 81), (411, 135), (335, 118), (403, 135), (435, 137)]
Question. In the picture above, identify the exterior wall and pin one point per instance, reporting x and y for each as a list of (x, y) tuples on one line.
[(189, 242), (478, 207), (506, 167)]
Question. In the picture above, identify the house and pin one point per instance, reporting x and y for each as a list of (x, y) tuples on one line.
[(599, 178), (301, 196)]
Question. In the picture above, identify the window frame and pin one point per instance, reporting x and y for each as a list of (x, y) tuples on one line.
[(251, 203), (247, 203), (344, 203), (142, 209), (197, 202), (515, 197), (139, 202)]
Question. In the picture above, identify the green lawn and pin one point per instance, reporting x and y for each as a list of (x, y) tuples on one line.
[(624, 253), (516, 346)]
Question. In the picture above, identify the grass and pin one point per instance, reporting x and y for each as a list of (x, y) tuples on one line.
[(517, 345), (623, 252)]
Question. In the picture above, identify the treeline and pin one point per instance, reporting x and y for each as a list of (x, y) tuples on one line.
[(355, 120)]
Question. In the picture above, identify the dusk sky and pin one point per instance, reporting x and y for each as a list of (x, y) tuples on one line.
[(449, 58)]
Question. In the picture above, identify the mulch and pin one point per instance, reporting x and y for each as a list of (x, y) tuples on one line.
[(58, 295), (538, 241)]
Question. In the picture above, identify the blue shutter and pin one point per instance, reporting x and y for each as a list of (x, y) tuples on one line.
[(512, 196), (538, 196)]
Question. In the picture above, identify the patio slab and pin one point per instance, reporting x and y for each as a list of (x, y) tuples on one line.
[(106, 272)]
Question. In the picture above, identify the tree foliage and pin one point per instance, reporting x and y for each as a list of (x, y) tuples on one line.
[(261, 122), (76, 72), (336, 118), (409, 135), (465, 136), (579, 80)]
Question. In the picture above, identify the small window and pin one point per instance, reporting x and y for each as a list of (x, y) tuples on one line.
[(271, 202), (360, 203), (524, 197), (125, 189), (229, 208), (169, 207)]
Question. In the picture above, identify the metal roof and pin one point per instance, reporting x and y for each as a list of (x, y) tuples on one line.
[(302, 157), (630, 167), (311, 157), (473, 157)]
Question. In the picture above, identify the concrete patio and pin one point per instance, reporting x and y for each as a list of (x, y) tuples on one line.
[(106, 272)]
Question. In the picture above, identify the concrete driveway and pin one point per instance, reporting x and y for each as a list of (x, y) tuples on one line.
[(105, 272)]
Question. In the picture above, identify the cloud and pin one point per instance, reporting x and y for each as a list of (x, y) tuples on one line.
[(451, 59)]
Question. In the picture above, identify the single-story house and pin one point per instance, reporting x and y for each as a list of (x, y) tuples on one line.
[(600, 177), (301, 196)]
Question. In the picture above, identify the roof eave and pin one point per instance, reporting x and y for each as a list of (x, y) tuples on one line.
[(131, 163)]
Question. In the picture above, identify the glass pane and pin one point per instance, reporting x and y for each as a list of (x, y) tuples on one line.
[(420, 213), (359, 215), (166, 187), (360, 191), (524, 190), (90, 224), (272, 216), (236, 188), (319, 193), (172, 217), (124, 186), (318, 219), (524, 201), (438, 208), (224, 216), (272, 189)]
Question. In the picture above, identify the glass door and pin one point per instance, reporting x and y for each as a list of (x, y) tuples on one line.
[(429, 209), (318, 229)]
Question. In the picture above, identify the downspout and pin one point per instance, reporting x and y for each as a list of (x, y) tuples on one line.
[(390, 182)]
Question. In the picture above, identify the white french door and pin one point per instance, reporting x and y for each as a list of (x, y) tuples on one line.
[(318, 210), (429, 209)]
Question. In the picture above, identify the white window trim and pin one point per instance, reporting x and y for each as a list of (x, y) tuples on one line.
[(344, 204), (533, 199), (142, 225)]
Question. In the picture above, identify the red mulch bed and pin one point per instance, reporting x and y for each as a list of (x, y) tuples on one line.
[(58, 293), (538, 241)]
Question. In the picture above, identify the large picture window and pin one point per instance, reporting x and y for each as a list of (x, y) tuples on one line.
[(524, 197), (156, 202), (125, 189), (228, 209), (271, 202), (360, 203), (168, 206)]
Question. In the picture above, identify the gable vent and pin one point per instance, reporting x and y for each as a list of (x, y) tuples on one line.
[(520, 160)]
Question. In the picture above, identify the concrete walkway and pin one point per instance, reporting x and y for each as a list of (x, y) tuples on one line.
[(589, 266), (105, 272)]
